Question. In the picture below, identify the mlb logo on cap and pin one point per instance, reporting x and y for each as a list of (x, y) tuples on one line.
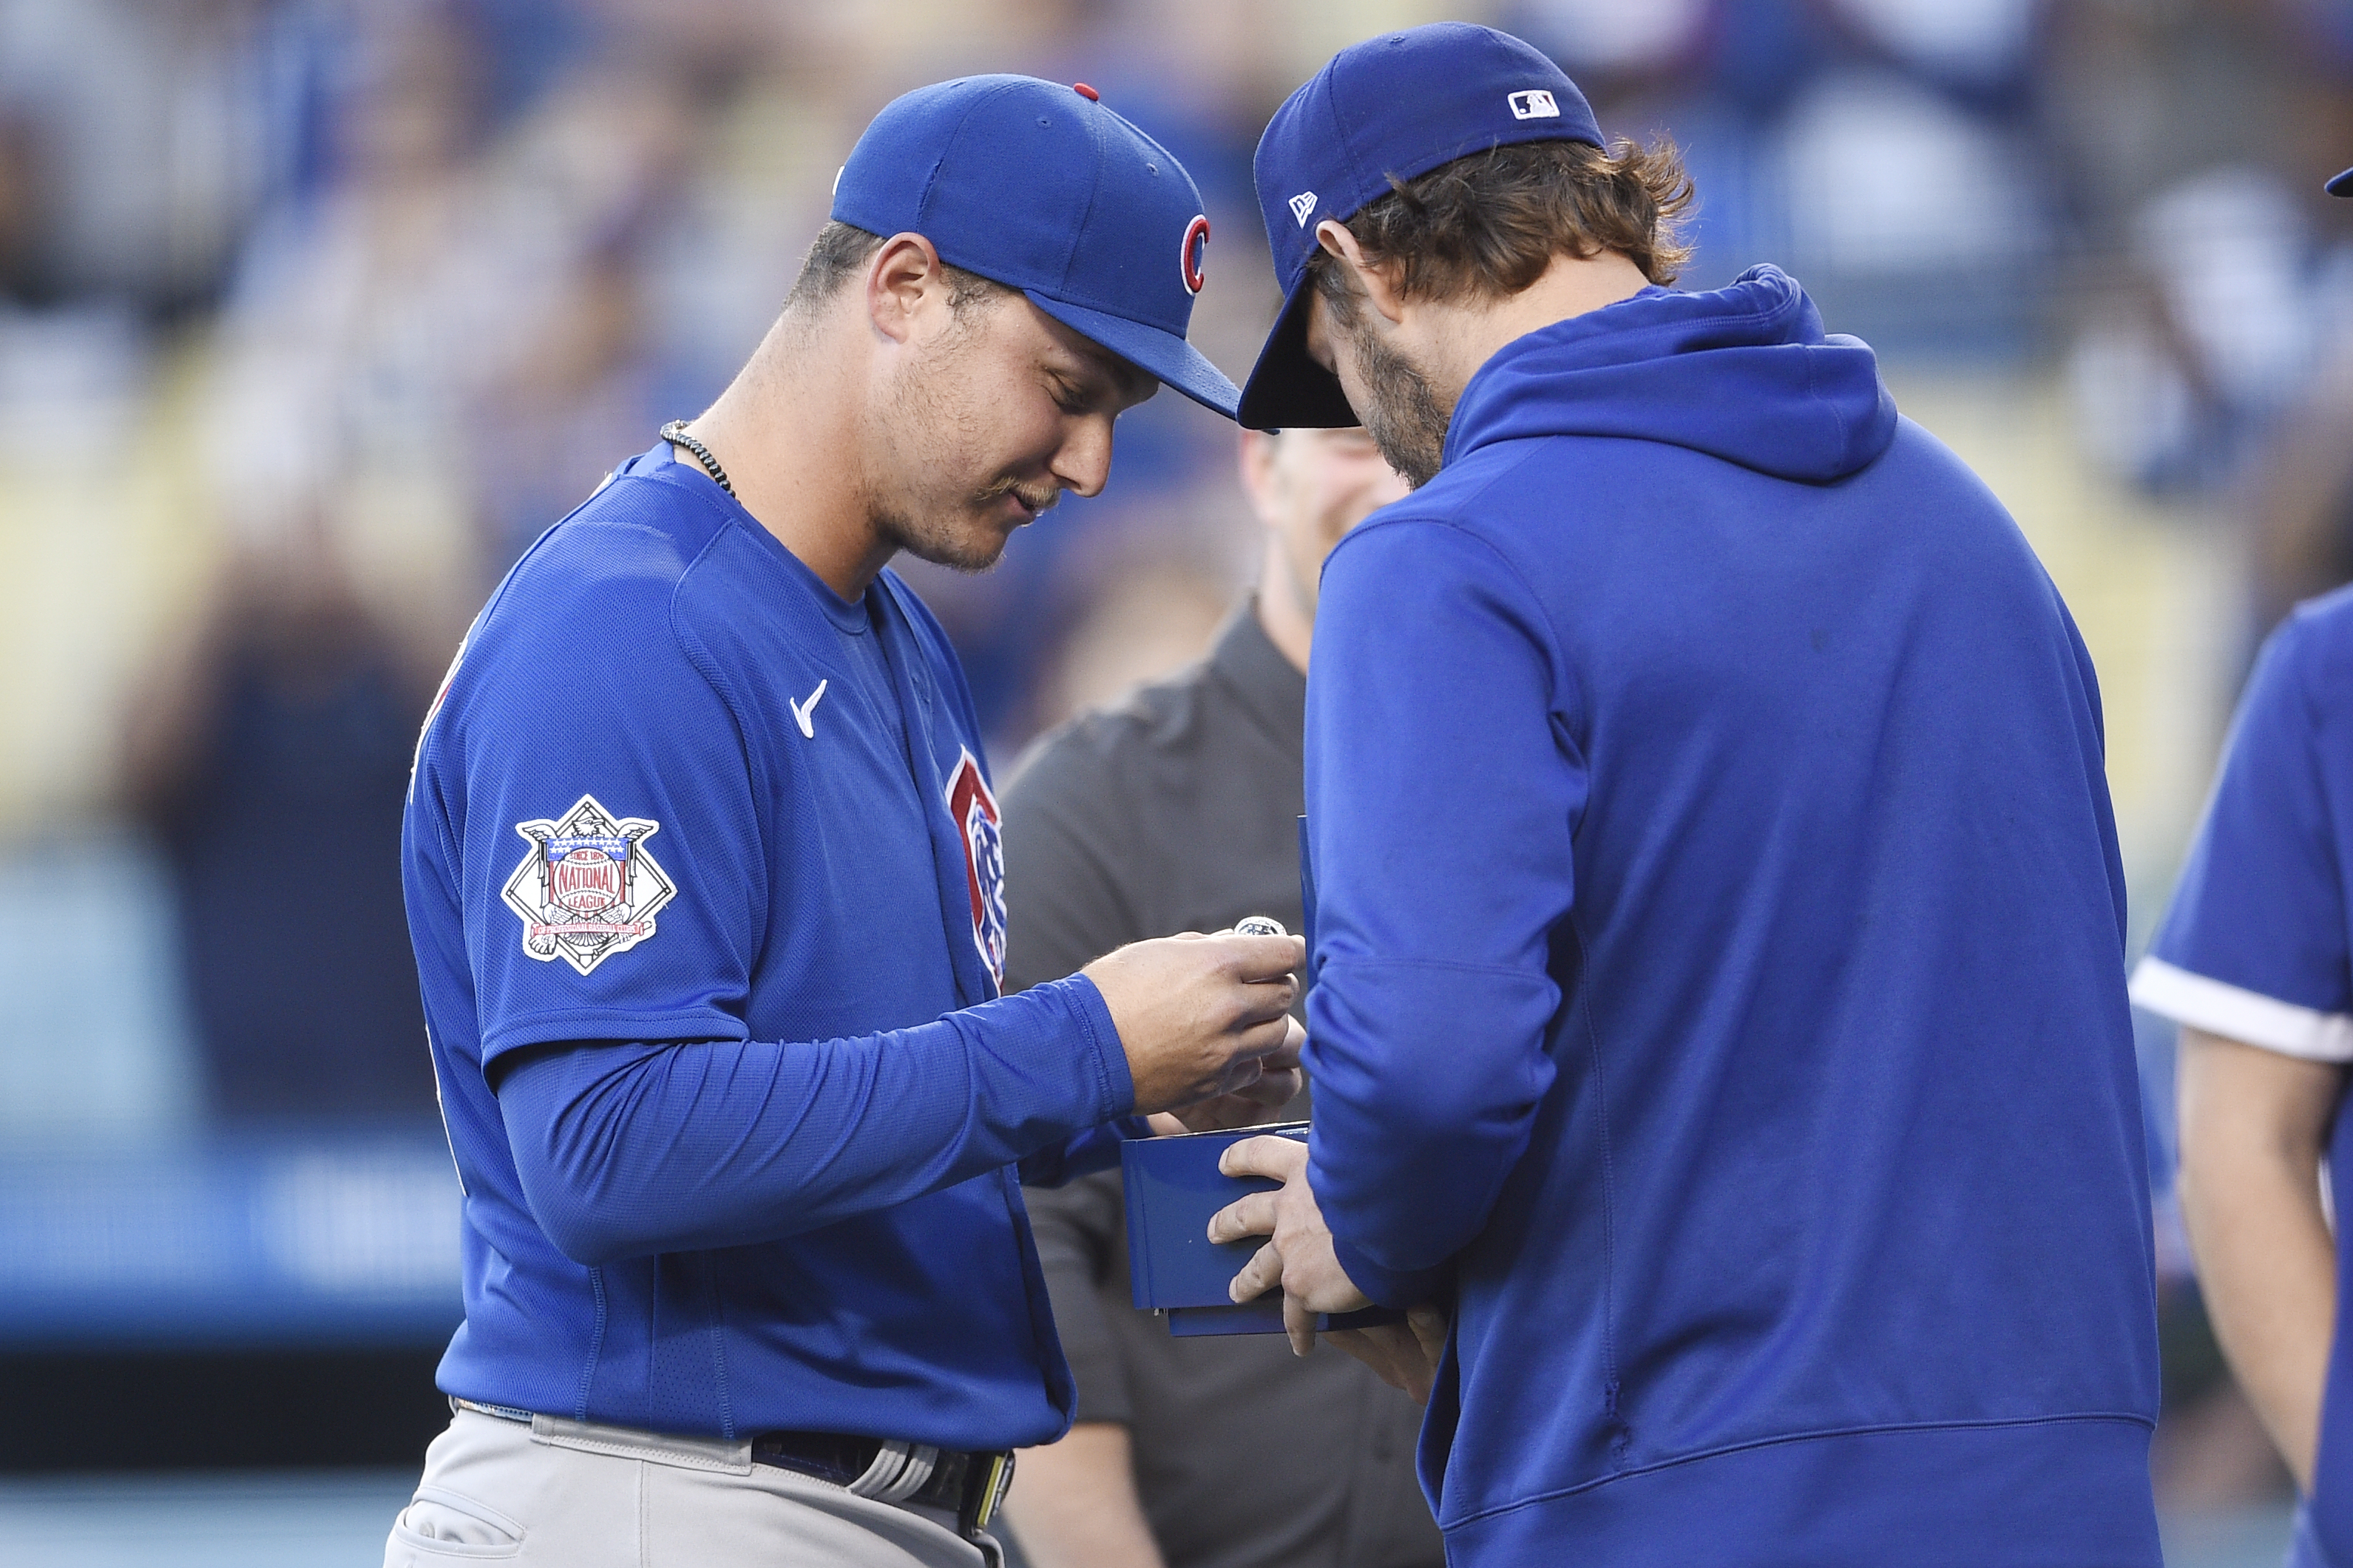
[(1533, 104)]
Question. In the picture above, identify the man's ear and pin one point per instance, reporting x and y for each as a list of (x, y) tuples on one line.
[(905, 280), (1374, 280)]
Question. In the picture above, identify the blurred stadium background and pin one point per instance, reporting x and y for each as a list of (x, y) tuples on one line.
[(315, 313)]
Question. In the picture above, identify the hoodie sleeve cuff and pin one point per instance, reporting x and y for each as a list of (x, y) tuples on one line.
[(1397, 1289)]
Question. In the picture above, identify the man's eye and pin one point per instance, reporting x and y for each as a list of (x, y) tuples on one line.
[(1068, 399)]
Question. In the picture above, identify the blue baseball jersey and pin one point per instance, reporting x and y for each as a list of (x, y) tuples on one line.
[(1721, 988), (706, 890), (2256, 946)]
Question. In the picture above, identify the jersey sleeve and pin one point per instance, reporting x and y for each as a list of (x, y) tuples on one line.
[(2254, 946), (629, 1149), (1427, 1028), (612, 859)]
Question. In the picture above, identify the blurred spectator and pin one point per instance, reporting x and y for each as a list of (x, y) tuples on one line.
[(1880, 148), (1888, 178), (2194, 138), (569, 408), (1146, 618), (1982, 47), (271, 759), (2231, 256), (140, 137), (2222, 364), (1602, 41), (23, 203), (358, 316), (2300, 505), (577, 381)]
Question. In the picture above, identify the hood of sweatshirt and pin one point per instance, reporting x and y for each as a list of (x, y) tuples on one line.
[(1744, 373)]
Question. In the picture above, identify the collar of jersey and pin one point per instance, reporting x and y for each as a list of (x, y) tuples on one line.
[(659, 463)]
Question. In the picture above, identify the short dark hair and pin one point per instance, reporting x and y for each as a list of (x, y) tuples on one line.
[(1487, 226), (840, 252)]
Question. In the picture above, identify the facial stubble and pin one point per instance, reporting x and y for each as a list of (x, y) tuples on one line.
[(1406, 418), (929, 420)]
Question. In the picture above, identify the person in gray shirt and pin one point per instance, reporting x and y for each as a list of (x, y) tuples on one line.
[(1178, 810)]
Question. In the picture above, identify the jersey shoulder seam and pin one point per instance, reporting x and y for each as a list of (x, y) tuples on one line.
[(697, 653), (452, 702)]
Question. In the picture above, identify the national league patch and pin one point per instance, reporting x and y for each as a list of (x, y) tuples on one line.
[(974, 811), (588, 888)]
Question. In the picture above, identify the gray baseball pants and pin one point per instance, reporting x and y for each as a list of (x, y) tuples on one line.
[(580, 1494)]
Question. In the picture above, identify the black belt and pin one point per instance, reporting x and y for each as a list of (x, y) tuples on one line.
[(969, 1485)]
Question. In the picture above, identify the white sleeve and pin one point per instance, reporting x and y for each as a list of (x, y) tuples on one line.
[(2240, 1014)]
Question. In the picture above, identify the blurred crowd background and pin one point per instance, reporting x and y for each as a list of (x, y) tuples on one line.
[(314, 313)]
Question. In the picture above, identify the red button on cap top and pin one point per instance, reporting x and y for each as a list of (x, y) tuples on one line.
[(1083, 91)]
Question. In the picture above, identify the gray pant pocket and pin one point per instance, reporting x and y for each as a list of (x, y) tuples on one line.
[(447, 1524)]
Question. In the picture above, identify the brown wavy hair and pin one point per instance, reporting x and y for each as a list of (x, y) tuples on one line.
[(1487, 226)]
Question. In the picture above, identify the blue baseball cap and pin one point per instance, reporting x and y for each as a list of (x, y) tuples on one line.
[(1384, 111), (2342, 185), (1043, 189)]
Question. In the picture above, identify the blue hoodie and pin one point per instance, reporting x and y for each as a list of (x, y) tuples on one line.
[(1720, 996)]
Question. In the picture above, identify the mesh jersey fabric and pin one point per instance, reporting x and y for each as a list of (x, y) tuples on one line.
[(633, 820)]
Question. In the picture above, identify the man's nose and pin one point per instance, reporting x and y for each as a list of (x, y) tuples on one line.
[(1084, 464)]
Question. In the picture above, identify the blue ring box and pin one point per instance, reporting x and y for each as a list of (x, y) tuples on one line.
[(1173, 1186)]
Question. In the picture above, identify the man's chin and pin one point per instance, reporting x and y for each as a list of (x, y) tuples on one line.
[(976, 550), (1415, 456), (1402, 410)]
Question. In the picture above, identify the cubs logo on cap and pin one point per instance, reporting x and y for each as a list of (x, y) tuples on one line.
[(1193, 253), (1049, 190), (1389, 109)]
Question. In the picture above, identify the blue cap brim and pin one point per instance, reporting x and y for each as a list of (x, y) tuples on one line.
[(2342, 185), (1286, 388), (1176, 362)]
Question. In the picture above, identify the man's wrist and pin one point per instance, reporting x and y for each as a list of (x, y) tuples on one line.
[(1397, 1288), (1101, 1032)]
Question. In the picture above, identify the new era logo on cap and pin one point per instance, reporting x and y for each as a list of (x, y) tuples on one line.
[(1302, 205), (1533, 104)]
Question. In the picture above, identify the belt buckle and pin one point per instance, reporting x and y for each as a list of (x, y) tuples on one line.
[(985, 1486)]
